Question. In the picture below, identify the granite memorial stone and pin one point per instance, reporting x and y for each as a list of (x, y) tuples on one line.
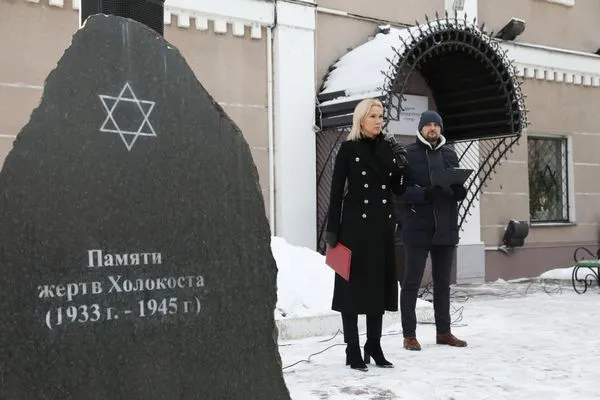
[(135, 258)]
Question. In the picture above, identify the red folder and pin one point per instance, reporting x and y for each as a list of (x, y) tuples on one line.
[(338, 258)]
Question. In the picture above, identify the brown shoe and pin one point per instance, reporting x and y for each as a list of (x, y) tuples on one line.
[(411, 343), (450, 340)]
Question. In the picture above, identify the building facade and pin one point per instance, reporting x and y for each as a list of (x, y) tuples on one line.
[(268, 62)]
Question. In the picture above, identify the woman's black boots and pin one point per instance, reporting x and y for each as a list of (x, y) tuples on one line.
[(373, 344), (373, 349), (354, 358), (353, 355)]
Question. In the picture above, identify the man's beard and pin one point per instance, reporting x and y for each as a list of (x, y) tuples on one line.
[(432, 140)]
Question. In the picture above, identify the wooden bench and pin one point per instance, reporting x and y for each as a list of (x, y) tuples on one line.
[(590, 266)]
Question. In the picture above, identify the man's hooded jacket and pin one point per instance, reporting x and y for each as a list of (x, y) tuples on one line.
[(430, 217)]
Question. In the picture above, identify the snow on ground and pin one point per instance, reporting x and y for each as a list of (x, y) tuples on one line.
[(537, 346), (304, 281), (527, 340)]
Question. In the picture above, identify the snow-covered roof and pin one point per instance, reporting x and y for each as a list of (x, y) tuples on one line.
[(360, 73)]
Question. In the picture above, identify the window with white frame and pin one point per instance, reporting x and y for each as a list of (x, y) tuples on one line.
[(548, 179)]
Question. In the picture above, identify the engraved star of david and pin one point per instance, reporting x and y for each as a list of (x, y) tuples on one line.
[(110, 125)]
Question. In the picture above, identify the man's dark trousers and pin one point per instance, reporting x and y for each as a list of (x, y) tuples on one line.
[(441, 268)]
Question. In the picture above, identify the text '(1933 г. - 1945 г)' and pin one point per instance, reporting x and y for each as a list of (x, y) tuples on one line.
[(68, 307)]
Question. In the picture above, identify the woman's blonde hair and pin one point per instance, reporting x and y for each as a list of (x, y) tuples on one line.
[(360, 112)]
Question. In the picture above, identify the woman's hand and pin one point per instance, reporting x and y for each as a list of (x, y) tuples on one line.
[(398, 150), (331, 239)]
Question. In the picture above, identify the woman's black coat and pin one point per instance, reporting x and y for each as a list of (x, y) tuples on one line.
[(361, 214)]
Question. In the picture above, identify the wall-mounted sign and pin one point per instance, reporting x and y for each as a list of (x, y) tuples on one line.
[(407, 121)]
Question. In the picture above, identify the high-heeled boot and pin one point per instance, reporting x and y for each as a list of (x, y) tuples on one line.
[(373, 349), (353, 357)]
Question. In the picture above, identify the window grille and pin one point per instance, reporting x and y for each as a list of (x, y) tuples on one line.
[(548, 179)]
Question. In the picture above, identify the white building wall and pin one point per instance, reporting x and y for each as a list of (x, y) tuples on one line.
[(295, 151)]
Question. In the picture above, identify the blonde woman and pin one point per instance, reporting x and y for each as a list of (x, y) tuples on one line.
[(368, 168)]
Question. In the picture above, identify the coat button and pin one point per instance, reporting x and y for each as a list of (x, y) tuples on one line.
[(390, 216), (364, 172), (390, 174), (394, 160), (384, 201), (357, 159), (366, 201), (364, 216), (383, 186), (366, 185)]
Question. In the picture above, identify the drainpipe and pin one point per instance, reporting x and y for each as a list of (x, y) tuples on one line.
[(270, 121)]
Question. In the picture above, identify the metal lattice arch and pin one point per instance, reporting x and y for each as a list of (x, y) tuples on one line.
[(472, 82)]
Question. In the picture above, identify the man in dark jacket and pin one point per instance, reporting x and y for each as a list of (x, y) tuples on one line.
[(429, 226)]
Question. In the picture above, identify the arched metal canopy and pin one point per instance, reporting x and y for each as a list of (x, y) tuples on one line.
[(473, 83)]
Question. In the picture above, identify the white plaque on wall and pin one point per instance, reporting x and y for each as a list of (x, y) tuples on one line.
[(407, 122)]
